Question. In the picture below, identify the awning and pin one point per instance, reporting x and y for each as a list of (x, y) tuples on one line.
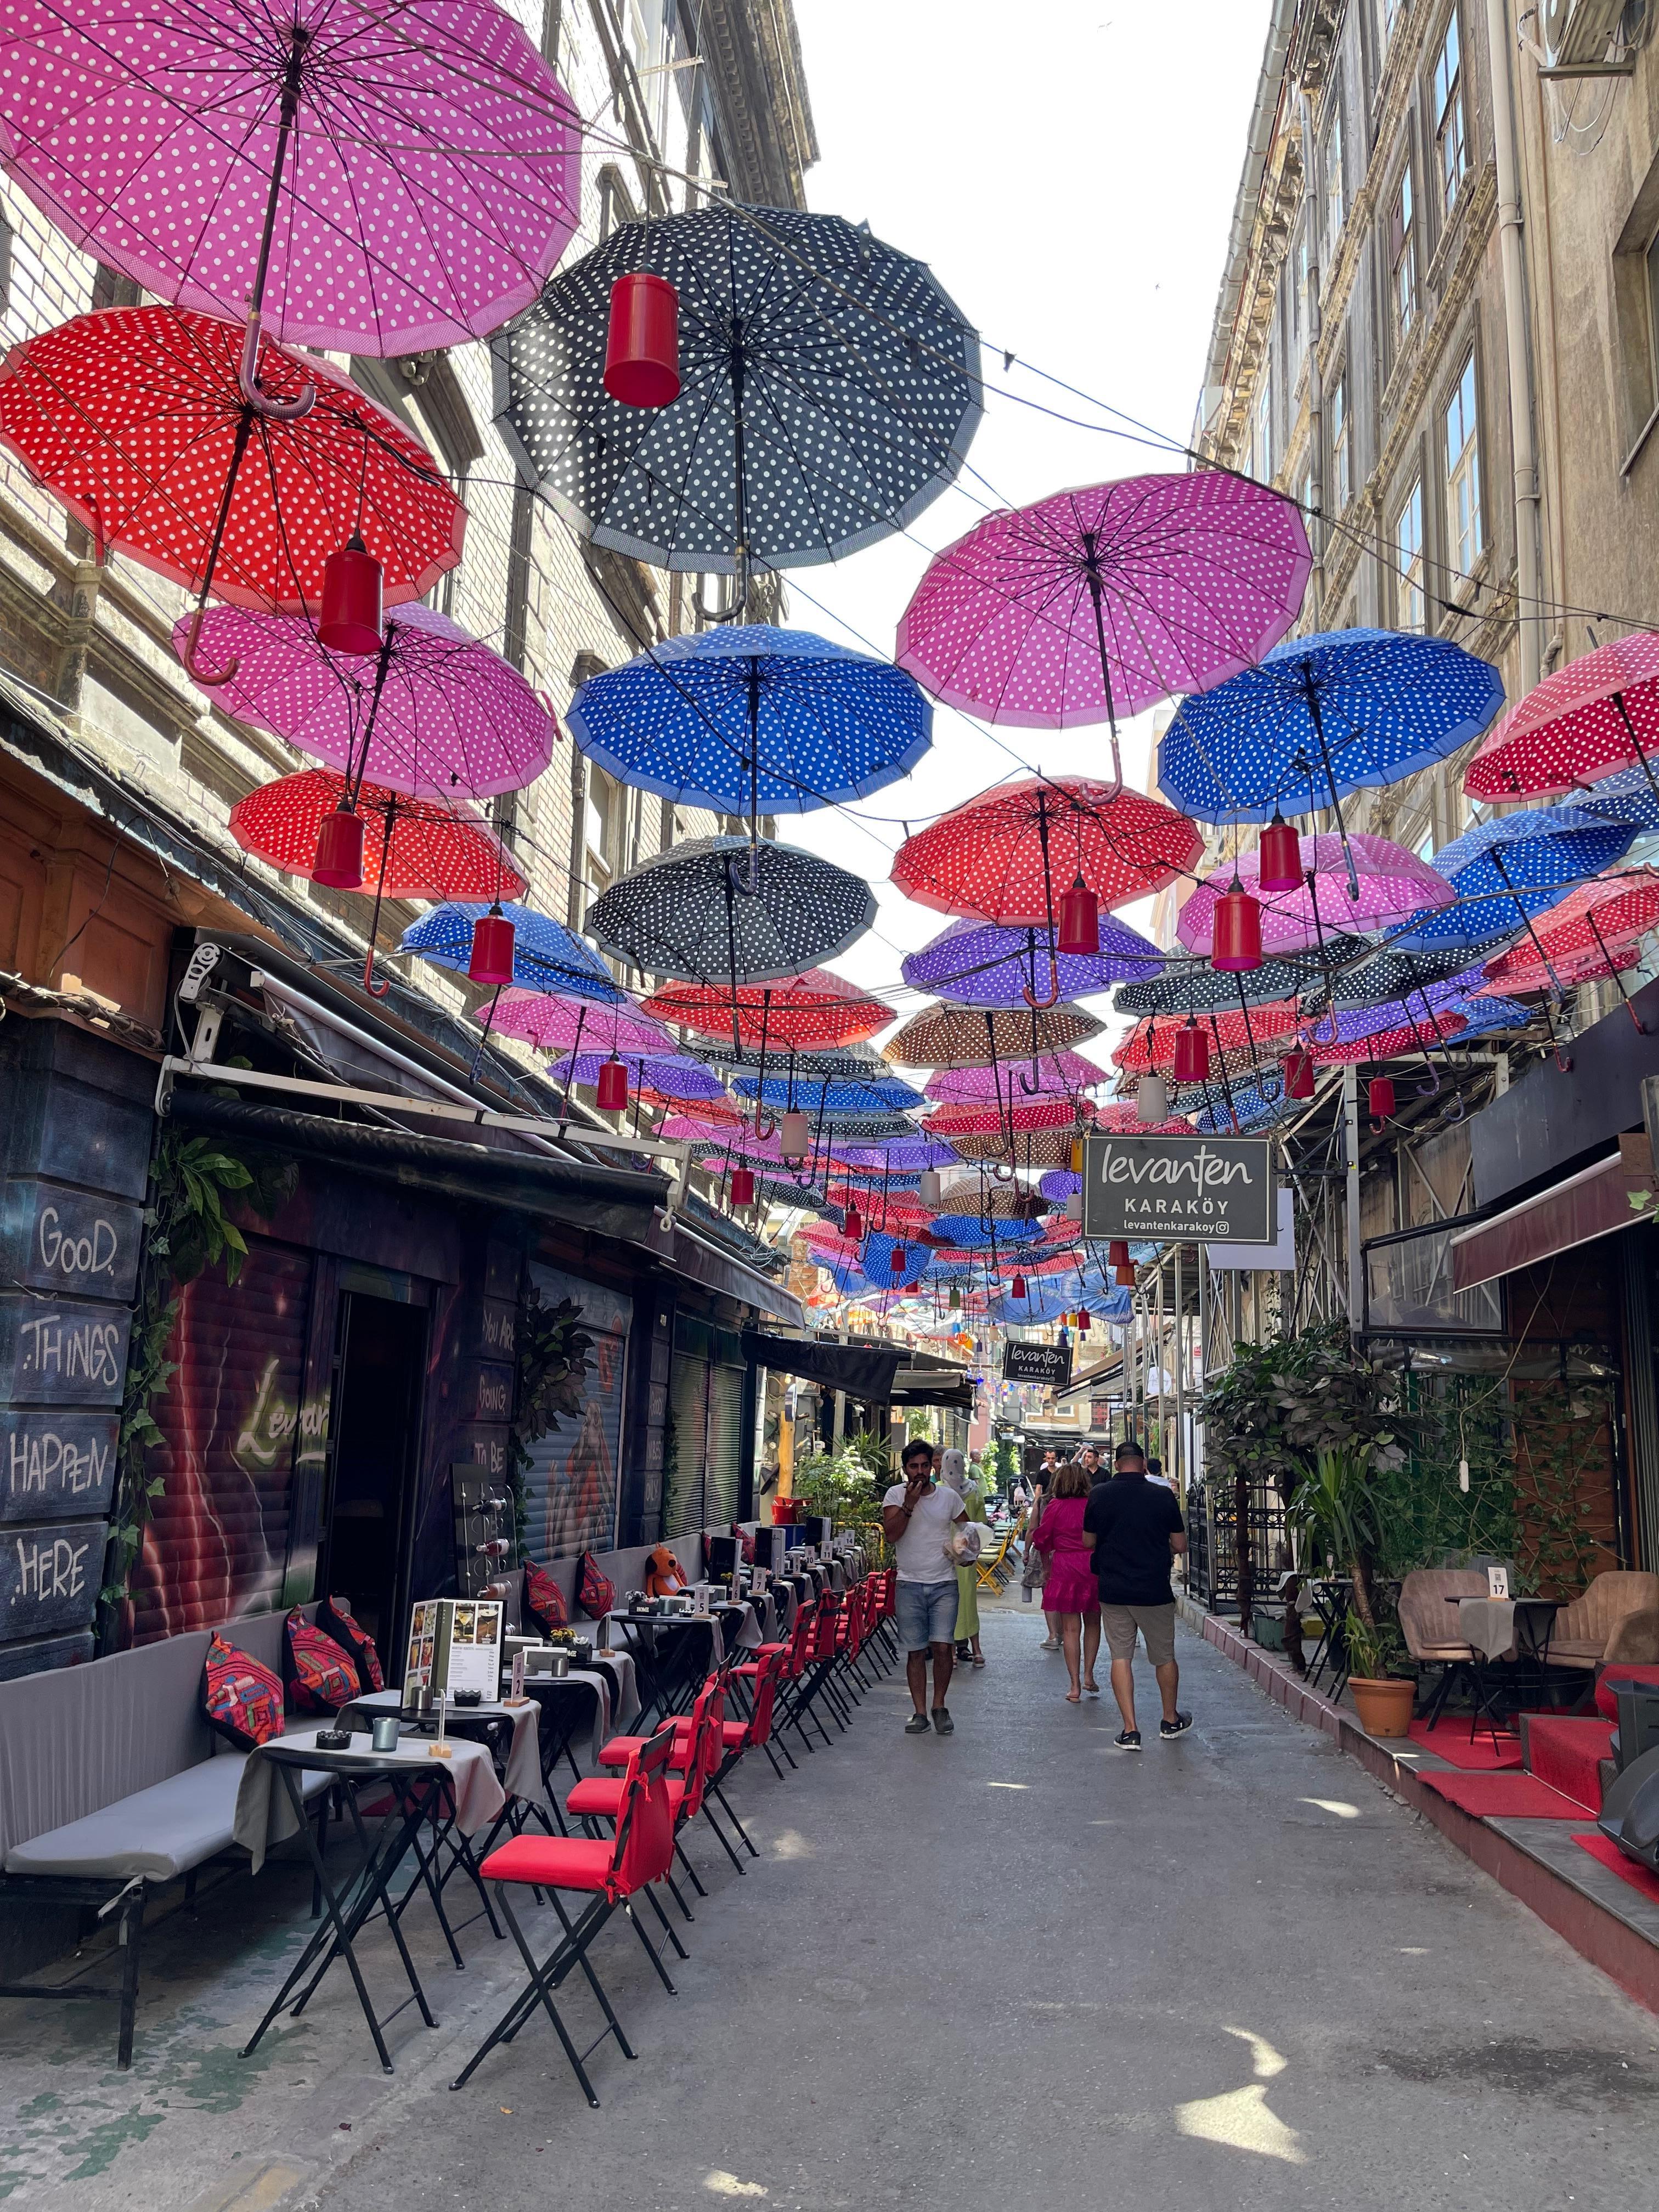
[(863, 1372), (934, 1382), (1599, 1199), (679, 1249), (615, 1201)]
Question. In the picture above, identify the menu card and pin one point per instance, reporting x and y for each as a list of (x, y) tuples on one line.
[(455, 1643)]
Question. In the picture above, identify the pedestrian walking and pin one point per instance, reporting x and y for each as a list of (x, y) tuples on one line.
[(1034, 1571), (953, 1473), (1135, 1528), (1069, 1595), (919, 1517)]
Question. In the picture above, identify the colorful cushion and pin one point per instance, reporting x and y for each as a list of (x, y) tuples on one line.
[(596, 1593), (545, 1601), (334, 1618), (320, 1674), (747, 1540), (1607, 1701), (241, 1700)]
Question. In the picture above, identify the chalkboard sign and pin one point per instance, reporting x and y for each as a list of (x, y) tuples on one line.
[(1049, 1364), (55, 1465), (49, 1577), (70, 1241), (58, 1352)]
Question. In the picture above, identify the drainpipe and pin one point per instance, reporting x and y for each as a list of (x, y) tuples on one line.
[(1313, 209), (1528, 516)]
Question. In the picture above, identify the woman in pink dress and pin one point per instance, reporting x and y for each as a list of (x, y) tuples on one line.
[(1071, 1591)]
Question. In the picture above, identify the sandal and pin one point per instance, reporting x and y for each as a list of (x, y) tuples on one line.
[(1093, 1688), (1074, 1697), (979, 1658)]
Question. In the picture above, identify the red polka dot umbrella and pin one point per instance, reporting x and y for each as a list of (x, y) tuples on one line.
[(135, 419), (1233, 1038), (954, 1121), (1598, 715), (1594, 931), (810, 1013), (1390, 1044), (413, 849)]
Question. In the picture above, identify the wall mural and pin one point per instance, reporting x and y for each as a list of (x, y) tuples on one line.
[(571, 1483)]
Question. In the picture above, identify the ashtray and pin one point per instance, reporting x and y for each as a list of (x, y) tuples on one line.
[(464, 1698), (334, 1739)]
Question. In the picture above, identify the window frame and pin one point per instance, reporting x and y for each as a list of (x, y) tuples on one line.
[(1411, 575), (1335, 213), (1339, 424), (1402, 255), (1449, 113), (1464, 470)]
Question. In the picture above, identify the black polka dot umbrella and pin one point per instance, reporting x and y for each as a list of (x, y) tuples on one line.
[(828, 390), (717, 909), (1193, 987)]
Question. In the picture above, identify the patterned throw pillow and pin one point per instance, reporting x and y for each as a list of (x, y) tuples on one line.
[(595, 1593), (545, 1601), (747, 1539), (241, 1700), (334, 1618), (320, 1674)]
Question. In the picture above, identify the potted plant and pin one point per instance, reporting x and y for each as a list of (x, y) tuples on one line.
[(1382, 1701), (1335, 1511)]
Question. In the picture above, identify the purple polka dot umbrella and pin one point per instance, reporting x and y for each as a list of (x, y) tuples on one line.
[(976, 963)]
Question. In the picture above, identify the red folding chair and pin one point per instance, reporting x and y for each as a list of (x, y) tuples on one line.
[(697, 1755), (738, 1737), (612, 1871)]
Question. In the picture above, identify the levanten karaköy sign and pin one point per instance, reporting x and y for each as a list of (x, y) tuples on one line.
[(1037, 1363), (1199, 1188)]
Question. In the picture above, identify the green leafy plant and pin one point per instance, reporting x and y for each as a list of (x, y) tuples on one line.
[(555, 1354), (846, 1488), (1376, 1648), (1333, 1511)]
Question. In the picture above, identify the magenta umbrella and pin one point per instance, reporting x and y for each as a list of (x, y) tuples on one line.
[(1098, 602), (554, 1022), (372, 178), (1392, 884), (434, 713), (1053, 1074)]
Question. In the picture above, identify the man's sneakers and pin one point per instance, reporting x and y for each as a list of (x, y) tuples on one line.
[(1178, 1726), (1128, 1739), (918, 1724), (943, 1721)]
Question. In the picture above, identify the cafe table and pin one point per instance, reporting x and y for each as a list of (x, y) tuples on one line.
[(1505, 1630), (457, 1792), (604, 1700), (663, 1652)]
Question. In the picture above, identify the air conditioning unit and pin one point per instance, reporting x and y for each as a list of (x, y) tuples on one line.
[(1587, 37)]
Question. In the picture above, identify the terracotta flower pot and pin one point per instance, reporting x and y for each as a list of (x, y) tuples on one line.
[(1383, 1708)]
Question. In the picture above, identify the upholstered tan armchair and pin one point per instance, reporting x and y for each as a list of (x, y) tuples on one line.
[(1429, 1623), (1617, 1617)]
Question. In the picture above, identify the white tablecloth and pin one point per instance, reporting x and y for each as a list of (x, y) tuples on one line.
[(1487, 1626), (265, 1816), (523, 1758)]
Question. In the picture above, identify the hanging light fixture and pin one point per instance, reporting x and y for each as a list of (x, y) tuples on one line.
[(642, 345), (611, 1093), (743, 1186), (1192, 1054), (956, 1298), (352, 617), (1073, 1206), (1151, 1099), (1016, 1288), (1083, 1321), (1117, 1253), (898, 1262), (1077, 1155), (1279, 864), (853, 1225), (491, 960), (339, 862), (931, 1190), (1079, 933), (1298, 1074), (1124, 1277), (912, 1290), (1236, 947), (794, 1137), (1379, 1094)]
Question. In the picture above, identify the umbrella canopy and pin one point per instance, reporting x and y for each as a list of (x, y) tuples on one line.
[(672, 1076), (969, 1231), (955, 1037), (545, 955), (1589, 719), (1321, 716), (975, 963), (421, 163), (1097, 602), (982, 1197), (891, 1260), (134, 418), (689, 913), (1151, 1044), (828, 390), (974, 1120), (413, 849), (1193, 987), (1009, 855), (1388, 975), (1250, 1106), (1594, 931), (1505, 870), (1628, 796), (1056, 1074), (810, 1013), (907, 1156), (435, 712), (857, 1063), (888, 1096), (753, 721), (1485, 1015), (1349, 1024), (1030, 1148), (1059, 1184), (1392, 884), (1423, 1035), (562, 1022)]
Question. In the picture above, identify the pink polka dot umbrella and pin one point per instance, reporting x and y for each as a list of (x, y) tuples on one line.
[(1392, 884), (1592, 933), (1595, 716)]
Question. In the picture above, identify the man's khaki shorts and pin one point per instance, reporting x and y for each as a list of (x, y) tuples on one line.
[(1157, 1627)]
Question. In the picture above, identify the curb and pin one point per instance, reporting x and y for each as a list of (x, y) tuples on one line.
[(1592, 1932)]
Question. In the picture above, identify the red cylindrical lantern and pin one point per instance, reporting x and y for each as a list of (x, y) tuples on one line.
[(1016, 1288), (611, 1093), (339, 862), (794, 1136), (1124, 1278), (1236, 945), (1117, 1252), (911, 1289), (1083, 1321), (897, 1260), (1192, 1055), (352, 617), (1279, 864), (1299, 1073), (491, 962), (1079, 922), (1379, 1097), (743, 1186), (854, 1227), (642, 347)]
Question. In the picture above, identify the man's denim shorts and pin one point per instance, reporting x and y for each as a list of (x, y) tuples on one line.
[(927, 1613)]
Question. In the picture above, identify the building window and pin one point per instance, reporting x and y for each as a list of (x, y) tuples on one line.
[(1463, 524), (1451, 122), (1262, 468), (1402, 255), (1650, 260), (597, 818), (1335, 199), (1408, 559), (1342, 444)]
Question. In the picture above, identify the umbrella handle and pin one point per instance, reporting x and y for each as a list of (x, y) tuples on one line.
[(375, 990), (209, 678), (1001, 1174), (1042, 1005), (247, 379)]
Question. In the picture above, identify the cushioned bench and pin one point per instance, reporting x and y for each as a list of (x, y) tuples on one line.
[(111, 1782)]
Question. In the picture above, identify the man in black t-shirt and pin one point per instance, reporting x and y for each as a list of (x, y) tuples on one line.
[(1137, 1526)]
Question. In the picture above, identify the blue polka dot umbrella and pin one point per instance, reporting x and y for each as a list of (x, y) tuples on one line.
[(546, 956), (1321, 716), (1248, 1106), (880, 1251), (1503, 872), (977, 963), (969, 1231), (753, 721), (881, 1096), (1487, 1015)]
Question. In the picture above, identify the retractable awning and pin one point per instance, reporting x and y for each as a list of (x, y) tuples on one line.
[(1599, 1199), (863, 1372)]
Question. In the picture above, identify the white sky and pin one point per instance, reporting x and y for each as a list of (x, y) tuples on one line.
[(1068, 170)]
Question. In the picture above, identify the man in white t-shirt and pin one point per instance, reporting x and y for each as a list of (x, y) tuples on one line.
[(917, 1515)]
